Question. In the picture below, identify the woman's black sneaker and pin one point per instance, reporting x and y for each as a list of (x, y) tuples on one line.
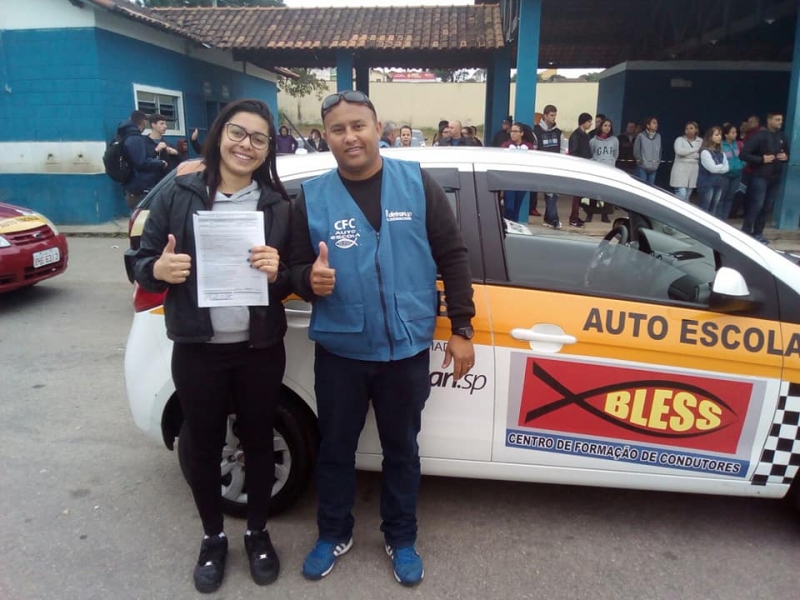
[(264, 562), (210, 567)]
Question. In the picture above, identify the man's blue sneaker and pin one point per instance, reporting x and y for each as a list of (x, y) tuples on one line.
[(322, 557), (407, 565)]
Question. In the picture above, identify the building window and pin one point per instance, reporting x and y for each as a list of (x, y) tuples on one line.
[(151, 100)]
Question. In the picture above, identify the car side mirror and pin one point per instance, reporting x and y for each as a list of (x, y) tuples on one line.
[(729, 292)]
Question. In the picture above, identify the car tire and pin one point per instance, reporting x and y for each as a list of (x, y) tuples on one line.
[(296, 442)]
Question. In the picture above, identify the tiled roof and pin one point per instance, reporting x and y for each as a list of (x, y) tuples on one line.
[(407, 28)]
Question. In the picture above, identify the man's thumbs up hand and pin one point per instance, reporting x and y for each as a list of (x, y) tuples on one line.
[(322, 277), (171, 267)]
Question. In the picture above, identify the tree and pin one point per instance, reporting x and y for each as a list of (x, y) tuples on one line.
[(590, 77), (219, 3), (445, 75), (307, 83)]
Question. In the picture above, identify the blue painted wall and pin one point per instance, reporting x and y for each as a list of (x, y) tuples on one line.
[(713, 98), (611, 100), (77, 85)]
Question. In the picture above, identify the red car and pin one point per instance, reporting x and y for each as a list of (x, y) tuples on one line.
[(31, 249)]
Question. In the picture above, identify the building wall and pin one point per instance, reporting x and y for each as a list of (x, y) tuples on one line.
[(66, 89), (424, 105), (709, 93)]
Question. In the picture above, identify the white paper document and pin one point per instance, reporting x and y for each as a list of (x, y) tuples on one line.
[(222, 242)]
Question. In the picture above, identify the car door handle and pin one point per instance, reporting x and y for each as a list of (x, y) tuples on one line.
[(529, 335), (297, 318)]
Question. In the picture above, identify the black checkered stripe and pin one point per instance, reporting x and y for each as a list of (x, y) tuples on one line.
[(780, 459)]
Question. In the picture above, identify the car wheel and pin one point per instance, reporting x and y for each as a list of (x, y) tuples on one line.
[(294, 439)]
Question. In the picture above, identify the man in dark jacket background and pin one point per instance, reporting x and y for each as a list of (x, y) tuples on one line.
[(579, 146), (147, 169), (766, 153)]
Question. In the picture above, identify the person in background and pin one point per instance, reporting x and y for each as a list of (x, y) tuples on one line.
[(579, 146), (647, 151), (711, 174), (731, 202), (364, 354), (503, 135), (225, 355), (766, 152), (444, 131), (512, 199), (456, 137), (389, 135), (753, 127), (625, 159), (683, 177), (470, 133), (196, 145), (597, 121), (605, 149), (406, 133), (548, 136), (315, 141), (285, 143), (147, 168)]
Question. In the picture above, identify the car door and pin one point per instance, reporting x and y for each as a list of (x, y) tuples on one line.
[(617, 361), (457, 420)]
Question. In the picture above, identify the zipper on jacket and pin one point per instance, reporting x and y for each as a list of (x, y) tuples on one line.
[(383, 298)]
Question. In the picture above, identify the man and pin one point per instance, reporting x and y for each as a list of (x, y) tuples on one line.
[(471, 134), (158, 127), (766, 152), (367, 241), (147, 169), (598, 120), (504, 134), (549, 137), (625, 159), (647, 151), (456, 138), (389, 135), (579, 146)]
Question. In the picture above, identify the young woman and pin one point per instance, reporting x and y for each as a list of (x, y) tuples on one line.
[(731, 146), (315, 141), (512, 199), (229, 357), (444, 132), (285, 143), (683, 177), (711, 177), (605, 149), (405, 136)]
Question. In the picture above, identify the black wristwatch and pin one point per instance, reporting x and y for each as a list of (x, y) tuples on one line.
[(466, 332)]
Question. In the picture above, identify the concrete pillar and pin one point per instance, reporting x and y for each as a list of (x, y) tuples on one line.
[(362, 77), (530, 19), (344, 70), (787, 206), (498, 84)]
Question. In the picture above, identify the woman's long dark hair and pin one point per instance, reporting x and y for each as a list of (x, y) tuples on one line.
[(266, 174)]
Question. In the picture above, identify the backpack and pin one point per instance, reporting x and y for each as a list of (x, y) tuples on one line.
[(115, 161)]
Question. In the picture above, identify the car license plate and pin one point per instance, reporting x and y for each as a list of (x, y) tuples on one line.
[(46, 257)]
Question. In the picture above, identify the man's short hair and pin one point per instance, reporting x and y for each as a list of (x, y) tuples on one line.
[(774, 113), (155, 118), (388, 129), (549, 109), (600, 116), (138, 117), (584, 118)]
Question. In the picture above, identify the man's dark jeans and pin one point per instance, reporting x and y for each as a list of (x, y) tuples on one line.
[(398, 390), (760, 199)]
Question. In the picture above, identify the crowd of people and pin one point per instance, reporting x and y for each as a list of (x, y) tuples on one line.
[(734, 171)]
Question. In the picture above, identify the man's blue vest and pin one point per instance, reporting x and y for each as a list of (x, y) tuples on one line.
[(383, 306)]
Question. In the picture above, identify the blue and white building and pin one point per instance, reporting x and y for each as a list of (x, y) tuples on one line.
[(71, 70)]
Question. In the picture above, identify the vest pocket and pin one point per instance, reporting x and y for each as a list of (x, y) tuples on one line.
[(417, 312), (340, 318)]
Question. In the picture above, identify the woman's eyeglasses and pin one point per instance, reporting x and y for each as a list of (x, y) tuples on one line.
[(353, 96), (235, 133)]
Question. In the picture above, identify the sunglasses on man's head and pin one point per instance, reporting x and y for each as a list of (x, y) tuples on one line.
[(353, 96)]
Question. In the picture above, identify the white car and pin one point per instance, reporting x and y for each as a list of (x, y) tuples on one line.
[(659, 352)]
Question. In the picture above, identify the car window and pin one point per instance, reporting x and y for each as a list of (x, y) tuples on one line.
[(634, 256)]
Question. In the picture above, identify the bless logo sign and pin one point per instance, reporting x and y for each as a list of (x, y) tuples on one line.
[(689, 412)]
